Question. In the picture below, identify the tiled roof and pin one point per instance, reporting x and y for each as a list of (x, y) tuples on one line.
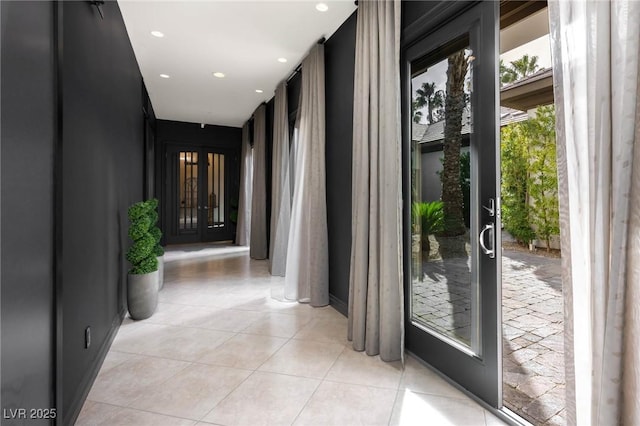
[(435, 132)]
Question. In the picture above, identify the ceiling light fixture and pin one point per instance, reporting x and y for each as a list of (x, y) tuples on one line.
[(157, 34), (218, 74), (165, 75), (322, 7), (282, 60), (258, 90)]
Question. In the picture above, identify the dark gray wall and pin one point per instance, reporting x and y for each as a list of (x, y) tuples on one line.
[(339, 72), (28, 139), (103, 167)]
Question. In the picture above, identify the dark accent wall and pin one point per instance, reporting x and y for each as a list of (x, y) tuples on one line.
[(192, 134), (339, 73), (72, 162), (102, 174), (27, 152)]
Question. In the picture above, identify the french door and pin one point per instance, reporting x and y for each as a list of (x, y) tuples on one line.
[(197, 201), (452, 237)]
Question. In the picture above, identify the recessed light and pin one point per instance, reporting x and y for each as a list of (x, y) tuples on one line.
[(283, 60), (165, 75), (322, 7), (218, 74), (258, 90), (157, 34)]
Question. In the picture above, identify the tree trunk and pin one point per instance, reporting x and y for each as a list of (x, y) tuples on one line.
[(454, 108)]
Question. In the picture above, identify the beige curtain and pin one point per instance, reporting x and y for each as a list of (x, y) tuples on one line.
[(595, 49), (258, 247), (280, 185), (243, 231), (307, 271), (376, 316)]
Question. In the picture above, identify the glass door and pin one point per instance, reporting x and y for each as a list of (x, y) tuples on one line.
[(452, 241), (214, 205), (197, 204)]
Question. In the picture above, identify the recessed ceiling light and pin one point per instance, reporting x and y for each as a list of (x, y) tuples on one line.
[(283, 60), (218, 74), (258, 90), (322, 7), (157, 34), (165, 75)]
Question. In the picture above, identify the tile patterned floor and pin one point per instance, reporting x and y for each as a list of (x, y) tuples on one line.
[(220, 350)]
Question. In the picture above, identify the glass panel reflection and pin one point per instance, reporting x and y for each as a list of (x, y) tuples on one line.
[(188, 191), (215, 189), (444, 296)]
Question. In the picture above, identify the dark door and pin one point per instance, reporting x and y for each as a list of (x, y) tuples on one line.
[(452, 252), (197, 195)]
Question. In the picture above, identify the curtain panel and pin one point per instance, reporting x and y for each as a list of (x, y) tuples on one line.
[(376, 312), (595, 51), (243, 231), (259, 246), (280, 185), (307, 269)]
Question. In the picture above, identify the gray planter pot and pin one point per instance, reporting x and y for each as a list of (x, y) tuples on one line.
[(160, 272), (142, 295)]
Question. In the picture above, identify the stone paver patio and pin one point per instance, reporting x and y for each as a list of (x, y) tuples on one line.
[(533, 356)]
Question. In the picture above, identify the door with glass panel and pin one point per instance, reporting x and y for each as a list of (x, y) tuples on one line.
[(452, 251), (197, 195)]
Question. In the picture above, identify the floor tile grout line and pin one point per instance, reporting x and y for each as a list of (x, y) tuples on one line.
[(227, 395), (126, 407), (393, 406)]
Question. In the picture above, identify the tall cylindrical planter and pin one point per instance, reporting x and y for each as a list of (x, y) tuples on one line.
[(142, 295), (160, 272)]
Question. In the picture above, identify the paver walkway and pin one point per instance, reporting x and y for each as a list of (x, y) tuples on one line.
[(533, 357)]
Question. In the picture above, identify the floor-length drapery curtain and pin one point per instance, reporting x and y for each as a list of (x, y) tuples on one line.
[(376, 322), (280, 185), (258, 247), (595, 49), (243, 231), (307, 271)]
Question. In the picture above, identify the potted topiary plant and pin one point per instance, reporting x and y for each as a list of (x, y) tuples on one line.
[(157, 236), (142, 288)]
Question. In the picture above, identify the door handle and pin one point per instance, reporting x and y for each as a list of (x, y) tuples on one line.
[(492, 207), (490, 252)]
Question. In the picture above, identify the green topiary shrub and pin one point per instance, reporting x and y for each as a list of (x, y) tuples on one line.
[(141, 253), (152, 204)]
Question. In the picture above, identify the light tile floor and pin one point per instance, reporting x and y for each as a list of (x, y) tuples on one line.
[(220, 350)]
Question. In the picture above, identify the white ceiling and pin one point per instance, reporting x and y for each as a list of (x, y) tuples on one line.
[(242, 39)]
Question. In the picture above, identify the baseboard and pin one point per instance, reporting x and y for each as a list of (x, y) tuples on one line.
[(339, 305), (82, 392)]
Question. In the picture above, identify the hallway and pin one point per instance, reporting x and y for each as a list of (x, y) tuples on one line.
[(220, 350)]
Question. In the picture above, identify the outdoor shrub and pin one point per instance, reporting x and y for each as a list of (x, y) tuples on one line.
[(543, 176), (530, 179), (431, 217), (515, 200), (141, 253)]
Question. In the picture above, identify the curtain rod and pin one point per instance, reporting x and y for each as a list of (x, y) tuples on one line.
[(299, 67)]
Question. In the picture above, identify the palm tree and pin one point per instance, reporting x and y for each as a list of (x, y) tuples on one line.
[(417, 115), (518, 69), (507, 74), (429, 97), (454, 108)]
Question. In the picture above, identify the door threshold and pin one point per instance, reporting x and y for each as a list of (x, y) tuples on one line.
[(504, 414)]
